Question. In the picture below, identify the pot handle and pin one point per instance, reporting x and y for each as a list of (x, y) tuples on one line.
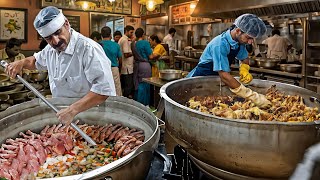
[(161, 122)]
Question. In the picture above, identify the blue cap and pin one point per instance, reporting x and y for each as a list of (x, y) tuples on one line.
[(251, 25)]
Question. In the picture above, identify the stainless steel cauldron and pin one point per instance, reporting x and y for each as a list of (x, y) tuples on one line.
[(35, 115), (249, 148)]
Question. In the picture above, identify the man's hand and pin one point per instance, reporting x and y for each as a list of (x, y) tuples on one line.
[(14, 68), (259, 100), (66, 115), (245, 76)]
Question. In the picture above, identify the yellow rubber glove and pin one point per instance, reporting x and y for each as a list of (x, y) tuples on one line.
[(245, 76), (259, 100)]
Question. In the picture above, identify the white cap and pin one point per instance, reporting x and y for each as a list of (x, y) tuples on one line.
[(48, 21)]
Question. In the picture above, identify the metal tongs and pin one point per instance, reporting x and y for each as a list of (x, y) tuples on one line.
[(38, 94)]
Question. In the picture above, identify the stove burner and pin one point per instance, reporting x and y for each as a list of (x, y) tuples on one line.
[(177, 167), (183, 167)]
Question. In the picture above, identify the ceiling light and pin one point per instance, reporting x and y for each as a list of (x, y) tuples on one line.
[(112, 1), (86, 4), (192, 5), (150, 4)]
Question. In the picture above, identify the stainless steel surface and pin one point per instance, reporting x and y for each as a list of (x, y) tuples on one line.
[(233, 9), (276, 72), (196, 54), (155, 81), (35, 115), (170, 74), (38, 94), (290, 67), (219, 173), (249, 148), (267, 62), (187, 53)]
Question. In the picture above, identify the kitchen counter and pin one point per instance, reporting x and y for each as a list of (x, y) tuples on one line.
[(271, 71), (188, 59), (187, 64), (154, 81)]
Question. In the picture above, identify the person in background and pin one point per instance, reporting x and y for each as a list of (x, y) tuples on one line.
[(43, 44), (12, 50), (116, 36), (113, 52), (142, 52), (127, 62), (277, 46), (158, 51), (168, 39), (77, 66), (96, 36), (223, 49)]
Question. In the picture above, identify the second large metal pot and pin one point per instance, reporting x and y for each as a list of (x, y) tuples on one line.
[(35, 115), (267, 62), (250, 148)]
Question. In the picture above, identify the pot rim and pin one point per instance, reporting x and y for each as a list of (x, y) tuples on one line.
[(290, 65), (145, 147), (208, 117)]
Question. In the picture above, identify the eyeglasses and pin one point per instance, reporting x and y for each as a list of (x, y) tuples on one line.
[(247, 36)]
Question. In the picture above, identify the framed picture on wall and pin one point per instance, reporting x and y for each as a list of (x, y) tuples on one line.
[(118, 6), (127, 5), (13, 24)]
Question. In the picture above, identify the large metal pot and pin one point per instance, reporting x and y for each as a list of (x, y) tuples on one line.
[(35, 115), (290, 67), (267, 62), (250, 148), (196, 53), (170, 74)]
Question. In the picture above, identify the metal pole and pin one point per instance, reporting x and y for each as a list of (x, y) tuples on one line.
[(38, 94)]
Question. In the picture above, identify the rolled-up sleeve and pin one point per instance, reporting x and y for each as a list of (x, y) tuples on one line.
[(220, 57), (97, 68), (40, 57)]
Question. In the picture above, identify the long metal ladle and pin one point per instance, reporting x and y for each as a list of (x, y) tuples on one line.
[(38, 94)]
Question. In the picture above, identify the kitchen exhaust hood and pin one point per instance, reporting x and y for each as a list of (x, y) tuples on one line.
[(234, 8)]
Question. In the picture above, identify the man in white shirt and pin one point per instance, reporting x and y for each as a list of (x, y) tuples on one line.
[(77, 66), (168, 39), (277, 46), (127, 62)]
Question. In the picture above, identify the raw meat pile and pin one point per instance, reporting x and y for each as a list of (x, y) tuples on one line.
[(22, 158)]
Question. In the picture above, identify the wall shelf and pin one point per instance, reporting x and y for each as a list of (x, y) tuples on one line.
[(314, 77), (314, 44)]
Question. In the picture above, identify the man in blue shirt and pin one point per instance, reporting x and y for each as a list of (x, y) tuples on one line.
[(223, 49), (113, 52)]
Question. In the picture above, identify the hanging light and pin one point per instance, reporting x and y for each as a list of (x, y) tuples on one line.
[(86, 4), (112, 1), (150, 4)]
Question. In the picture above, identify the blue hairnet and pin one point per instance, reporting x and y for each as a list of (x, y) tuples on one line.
[(45, 16), (251, 25)]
